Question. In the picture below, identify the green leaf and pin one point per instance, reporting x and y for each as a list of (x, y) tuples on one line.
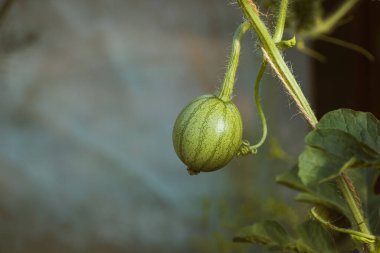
[(316, 237), (325, 194), (269, 233), (328, 195), (343, 139), (316, 164), (319, 200), (362, 125), (291, 180), (340, 144), (313, 237), (365, 128)]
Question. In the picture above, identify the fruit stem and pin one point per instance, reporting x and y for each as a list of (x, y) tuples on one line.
[(229, 78), (277, 37)]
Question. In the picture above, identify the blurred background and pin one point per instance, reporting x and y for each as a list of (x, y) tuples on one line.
[(89, 92)]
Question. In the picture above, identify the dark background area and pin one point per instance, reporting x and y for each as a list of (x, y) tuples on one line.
[(348, 79)]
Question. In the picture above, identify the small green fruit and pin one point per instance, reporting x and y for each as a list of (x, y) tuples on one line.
[(207, 134)]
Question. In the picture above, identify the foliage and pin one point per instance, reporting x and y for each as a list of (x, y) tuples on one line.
[(341, 136), (340, 165), (312, 237), (336, 172)]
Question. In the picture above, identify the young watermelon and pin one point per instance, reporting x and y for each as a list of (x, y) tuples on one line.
[(207, 134)]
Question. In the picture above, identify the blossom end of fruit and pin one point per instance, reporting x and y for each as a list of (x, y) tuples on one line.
[(192, 172)]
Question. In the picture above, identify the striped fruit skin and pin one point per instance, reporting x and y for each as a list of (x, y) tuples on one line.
[(207, 133)]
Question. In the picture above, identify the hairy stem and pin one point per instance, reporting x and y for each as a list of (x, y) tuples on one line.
[(353, 201), (229, 78), (360, 236), (277, 37), (274, 57)]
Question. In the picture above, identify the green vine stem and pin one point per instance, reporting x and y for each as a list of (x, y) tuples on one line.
[(329, 23), (274, 57), (258, 105), (325, 26), (359, 236), (246, 148), (277, 37), (348, 45), (353, 201), (281, 19), (310, 52), (229, 78)]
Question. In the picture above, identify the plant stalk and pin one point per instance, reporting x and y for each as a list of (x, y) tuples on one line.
[(281, 18), (274, 57), (259, 108), (277, 37), (229, 78), (353, 201), (329, 23)]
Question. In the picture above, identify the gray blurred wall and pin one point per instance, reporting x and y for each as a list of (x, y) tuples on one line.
[(89, 91)]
